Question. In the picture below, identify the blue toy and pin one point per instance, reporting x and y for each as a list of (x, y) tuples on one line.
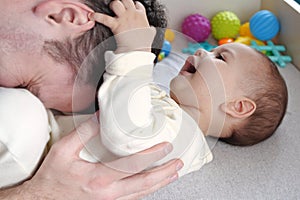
[(264, 25), (193, 47), (165, 50), (275, 50)]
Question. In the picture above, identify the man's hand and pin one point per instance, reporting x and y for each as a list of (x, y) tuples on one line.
[(65, 176), (130, 26)]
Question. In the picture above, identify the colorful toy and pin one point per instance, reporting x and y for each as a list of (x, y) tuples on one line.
[(225, 41), (225, 25), (264, 25), (247, 40), (165, 50), (197, 27), (245, 30), (275, 50), (161, 56), (169, 35), (193, 47), (167, 47)]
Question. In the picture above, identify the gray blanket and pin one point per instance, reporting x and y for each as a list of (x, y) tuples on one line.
[(269, 170)]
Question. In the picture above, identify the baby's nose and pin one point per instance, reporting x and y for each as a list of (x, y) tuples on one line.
[(201, 52)]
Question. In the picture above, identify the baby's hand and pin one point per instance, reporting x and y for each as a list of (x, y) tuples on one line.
[(130, 26)]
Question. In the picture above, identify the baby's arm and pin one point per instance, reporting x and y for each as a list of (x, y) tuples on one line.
[(134, 113), (128, 120)]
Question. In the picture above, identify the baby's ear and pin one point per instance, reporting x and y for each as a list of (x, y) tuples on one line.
[(241, 108), (67, 18)]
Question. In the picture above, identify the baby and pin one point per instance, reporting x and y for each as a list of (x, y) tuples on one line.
[(233, 92)]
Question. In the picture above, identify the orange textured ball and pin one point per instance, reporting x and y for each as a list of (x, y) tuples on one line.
[(225, 41)]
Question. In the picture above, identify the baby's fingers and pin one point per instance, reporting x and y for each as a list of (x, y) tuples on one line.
[(106, 20), (129, 4), (139, 6), (117, 7)]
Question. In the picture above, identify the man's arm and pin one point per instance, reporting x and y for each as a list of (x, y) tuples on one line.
[(64, 176)]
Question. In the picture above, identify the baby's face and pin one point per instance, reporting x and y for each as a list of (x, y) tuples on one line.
[(209, 79)]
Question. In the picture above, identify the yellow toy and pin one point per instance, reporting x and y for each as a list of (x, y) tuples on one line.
[(167, 47), (247, 40), (245, 30)]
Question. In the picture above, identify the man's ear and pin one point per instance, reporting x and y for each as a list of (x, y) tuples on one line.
[(70, 18), (239, 108)]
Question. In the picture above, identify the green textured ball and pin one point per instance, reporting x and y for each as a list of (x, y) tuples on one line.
[(225, 24)]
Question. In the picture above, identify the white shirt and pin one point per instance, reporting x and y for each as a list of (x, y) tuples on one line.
[(135, 114), (24, 133)]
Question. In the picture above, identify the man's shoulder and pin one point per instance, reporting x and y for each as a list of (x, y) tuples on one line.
[(19, 107), (17, 94)]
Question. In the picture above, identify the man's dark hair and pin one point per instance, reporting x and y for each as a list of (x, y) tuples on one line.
[(73, 52)]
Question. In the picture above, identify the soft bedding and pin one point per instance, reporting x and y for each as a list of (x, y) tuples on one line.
[(269, 170)]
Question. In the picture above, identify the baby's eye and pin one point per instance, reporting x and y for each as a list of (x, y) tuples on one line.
[(219, 56)]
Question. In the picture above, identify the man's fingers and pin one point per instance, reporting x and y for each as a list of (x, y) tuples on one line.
[(140, 161), (150, 181), (104, 19), (127, 166), (75, 141)]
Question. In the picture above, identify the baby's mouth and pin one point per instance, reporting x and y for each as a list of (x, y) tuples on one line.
[(189, 66)]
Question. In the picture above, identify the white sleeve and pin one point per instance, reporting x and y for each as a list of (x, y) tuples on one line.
[(130, 122), (24, 133), (135, 114), (126, 114)]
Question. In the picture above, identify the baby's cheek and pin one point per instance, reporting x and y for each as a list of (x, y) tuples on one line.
[(177, 85), (183, 90)]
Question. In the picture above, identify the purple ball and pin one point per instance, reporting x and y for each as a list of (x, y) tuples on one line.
[(197, 27)]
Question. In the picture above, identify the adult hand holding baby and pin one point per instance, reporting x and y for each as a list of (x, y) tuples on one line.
[(130, 26), (84, 180)]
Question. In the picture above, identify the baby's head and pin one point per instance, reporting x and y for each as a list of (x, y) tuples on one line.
[(73, 52), (235, 85)]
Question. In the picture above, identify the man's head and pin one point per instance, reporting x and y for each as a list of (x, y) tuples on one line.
[(236, 89), (73, 51), (25, 26), (40, 36)]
